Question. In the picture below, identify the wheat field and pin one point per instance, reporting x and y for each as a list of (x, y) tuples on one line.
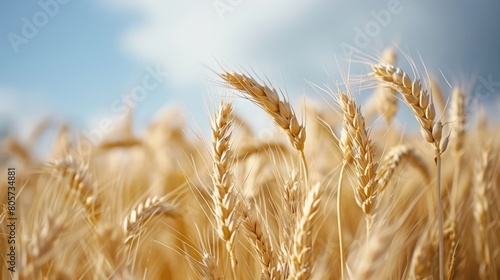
[(331, 196)]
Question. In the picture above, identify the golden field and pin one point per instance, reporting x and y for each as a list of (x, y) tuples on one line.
[(331, 196)]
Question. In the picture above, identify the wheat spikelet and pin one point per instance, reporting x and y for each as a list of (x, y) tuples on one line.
[(362, 152), (269, 100), (224, 196), (393, 159), (301, 260), (141, 214)]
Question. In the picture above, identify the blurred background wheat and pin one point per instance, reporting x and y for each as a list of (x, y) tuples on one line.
[(143, 152)]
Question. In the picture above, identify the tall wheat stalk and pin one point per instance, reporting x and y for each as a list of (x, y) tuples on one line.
[(420, 102)]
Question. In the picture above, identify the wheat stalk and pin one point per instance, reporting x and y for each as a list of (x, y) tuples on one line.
[(420, 102), (347, 157)]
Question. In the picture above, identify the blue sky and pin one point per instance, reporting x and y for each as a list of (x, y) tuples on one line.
[(90, 53)]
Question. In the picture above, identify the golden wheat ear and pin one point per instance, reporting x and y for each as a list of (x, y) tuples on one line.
[(420, 102), (273, 104), (356, 143), (262, 245), (302, 258), (80, 184), (143, 212), (224, 195)]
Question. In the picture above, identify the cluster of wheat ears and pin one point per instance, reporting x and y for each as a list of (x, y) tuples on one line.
[(332, 197)]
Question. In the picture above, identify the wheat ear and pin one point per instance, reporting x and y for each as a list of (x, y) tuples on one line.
[(142, 213), (301, 260), (224, 195), (420, 102), (81, 184), (277, 107), (362, 152), (262, 245)]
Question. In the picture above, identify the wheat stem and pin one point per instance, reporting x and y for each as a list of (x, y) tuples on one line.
[(440, 217), (339, 223)]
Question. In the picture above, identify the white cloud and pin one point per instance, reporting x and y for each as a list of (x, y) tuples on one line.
[(185, 35)]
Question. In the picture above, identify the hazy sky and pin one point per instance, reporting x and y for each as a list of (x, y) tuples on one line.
[(76, 60)]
